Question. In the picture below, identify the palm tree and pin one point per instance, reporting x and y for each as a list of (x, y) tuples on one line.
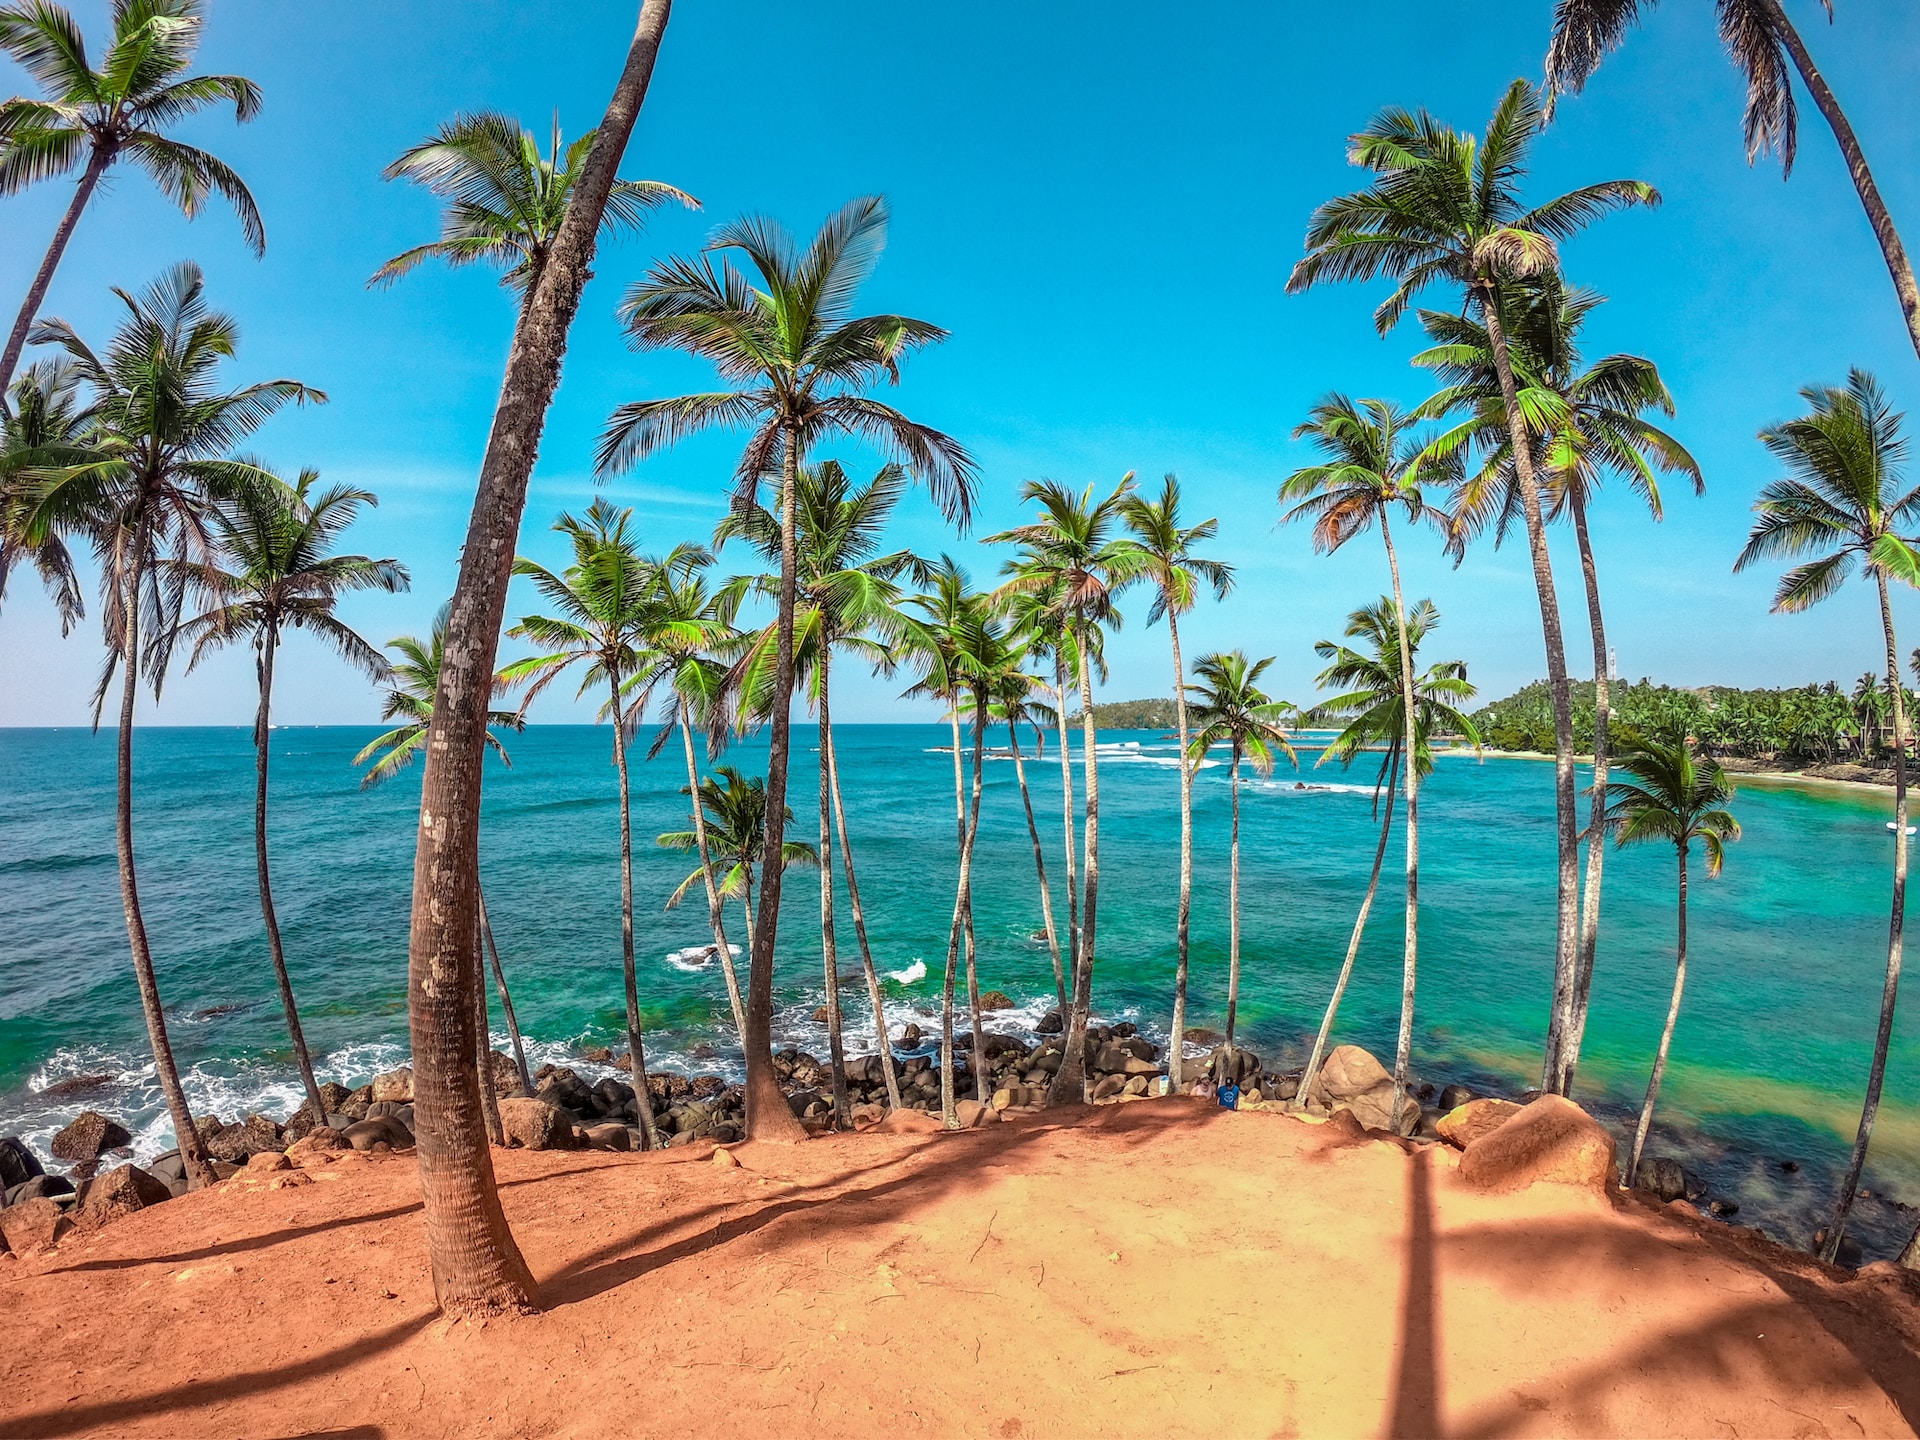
[(685, 633), (1177, 575), (1755, 32), (735, 808), (1232, 710), (1677, 795), (1371, 698), (849, 600), (415, 677), (46, 419), (602, 601), (272, 570), (804, 363), (93, 118), (505, 201), (1842, 502), (155, 458), (476, 1265), (1446, 207), (1586, 421), (1015, 707), (1369, 466), (1073, 557)]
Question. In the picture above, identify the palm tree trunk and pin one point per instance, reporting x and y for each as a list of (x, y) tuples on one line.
[(715, 909), (1410, 718), (1895, 253), (836, 1043), (476, 1265), (636, 1041), (972, 952), (960, 899), (959, 918), (1039, 865), (769, 1117), (973, 967), (1069, 1083), (483, 1050), (1066, 815), (97, 164), (269, 643), (1890, 993), (1596, 831), (506, 998), (1666, 1036), (1177, 1033), (860, 933), (1312, 1071), (1233, 918), (193, 1150), (1566, 954)]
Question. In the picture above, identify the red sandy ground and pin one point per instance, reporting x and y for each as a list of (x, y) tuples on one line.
[(1158, 1269)]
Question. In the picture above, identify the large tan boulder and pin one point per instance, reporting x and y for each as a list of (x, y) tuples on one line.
[(119, 1192), (395, 1085), (32, 1225), (1551, 1141), (1374, 1110), (1464, 1124), (534, 1124), (910, 1122), (1348, 1072), (89, 1136)]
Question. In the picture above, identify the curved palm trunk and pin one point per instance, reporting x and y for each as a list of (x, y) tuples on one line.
[(860, 933), (1596, 828), (1039, 865), (1566, 954), (1069, 1083), (1895, 254), (483, 1051), (1066, 815), (97, 164), (1890, 993), (1666, 1036), (960, 911), (973, 975), (715, 909), (973, 953), (1177, 1033), (1233, 919), (270, 642), (193, 1150), (476, 1265), (1312, 1072), (769, 1117), (962, 896), (1410, 716), (636, 1040), (506, 996), (836, 1043)]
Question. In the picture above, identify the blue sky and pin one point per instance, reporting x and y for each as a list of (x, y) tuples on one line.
[(1101, 202)]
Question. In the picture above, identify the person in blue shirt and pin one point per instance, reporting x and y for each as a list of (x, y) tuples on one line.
[(1228, 1095)]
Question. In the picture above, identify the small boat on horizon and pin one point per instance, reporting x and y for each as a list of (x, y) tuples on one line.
[(1911, 829)]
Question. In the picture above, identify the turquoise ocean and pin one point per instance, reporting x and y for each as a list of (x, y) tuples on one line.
[(1771, 1055)]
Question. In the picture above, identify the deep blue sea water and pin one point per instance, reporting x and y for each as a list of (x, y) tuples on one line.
[(1769, 1060)]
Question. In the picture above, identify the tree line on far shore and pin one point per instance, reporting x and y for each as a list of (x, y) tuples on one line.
[(133, 451)]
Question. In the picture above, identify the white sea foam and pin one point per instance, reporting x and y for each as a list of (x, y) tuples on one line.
[(915, 972), (697, 958)]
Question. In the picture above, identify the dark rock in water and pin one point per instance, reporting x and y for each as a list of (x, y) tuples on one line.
[(705, 1087), (1724, 1208), (1200, 1035), (217, 1012), (705, 1050), (597, 1055), (996, 1000), (78, 1085), (18, 1164), (821, 1015), (89, 1137), (40, 1187), (1790, 1167), (1454, 1096), (1661, 1176), (1050, 1024), (1425, 1092), (912, 1036), (1125, 1030), (1244, 1063)]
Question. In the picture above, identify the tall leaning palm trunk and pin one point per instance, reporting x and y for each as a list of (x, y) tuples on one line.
[(193, 1150), (962, 909), (1233, 913), (1596, 846), (1403, 1050), (716, 910), (1039, 860), (636, 1038), (1177, 1036), (262, 734), (476, 1265), (1069, 1082), (836, 1041), (1060, 683), (1645, 1124)]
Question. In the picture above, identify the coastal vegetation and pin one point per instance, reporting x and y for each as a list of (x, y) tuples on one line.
[(132, 453)]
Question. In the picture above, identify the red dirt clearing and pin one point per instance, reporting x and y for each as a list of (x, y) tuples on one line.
[(1162, 1269)]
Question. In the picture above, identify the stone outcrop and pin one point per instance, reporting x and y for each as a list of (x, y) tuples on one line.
[(118, 1192), (88, 1137), (18, 1164), (1466, 1123), (1551, 1141), (395, 1086), (533, 1124), (34, 1225)]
